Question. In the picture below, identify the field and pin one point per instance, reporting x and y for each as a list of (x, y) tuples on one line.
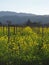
[(24, 46)]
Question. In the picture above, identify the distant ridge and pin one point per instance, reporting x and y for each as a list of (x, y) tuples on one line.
[(21, 18), (9, 13)]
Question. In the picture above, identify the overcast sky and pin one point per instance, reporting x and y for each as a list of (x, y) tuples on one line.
[(39, 7)]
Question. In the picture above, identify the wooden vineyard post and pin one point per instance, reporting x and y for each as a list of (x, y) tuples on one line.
[(3, 29), (42, 33), (0, 26), (14, 32), (9, 22)]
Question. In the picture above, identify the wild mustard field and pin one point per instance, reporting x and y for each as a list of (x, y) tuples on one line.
[(26, 46)]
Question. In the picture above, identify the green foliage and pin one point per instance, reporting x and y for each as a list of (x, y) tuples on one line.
[(25, 47)]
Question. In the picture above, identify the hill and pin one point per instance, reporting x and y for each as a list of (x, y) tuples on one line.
[(21, 18)]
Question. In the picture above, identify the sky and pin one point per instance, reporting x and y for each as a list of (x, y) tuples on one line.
[(39, 7)]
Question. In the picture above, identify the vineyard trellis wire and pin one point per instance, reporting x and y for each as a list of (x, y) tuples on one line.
[(15, 29), (34, 25)]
